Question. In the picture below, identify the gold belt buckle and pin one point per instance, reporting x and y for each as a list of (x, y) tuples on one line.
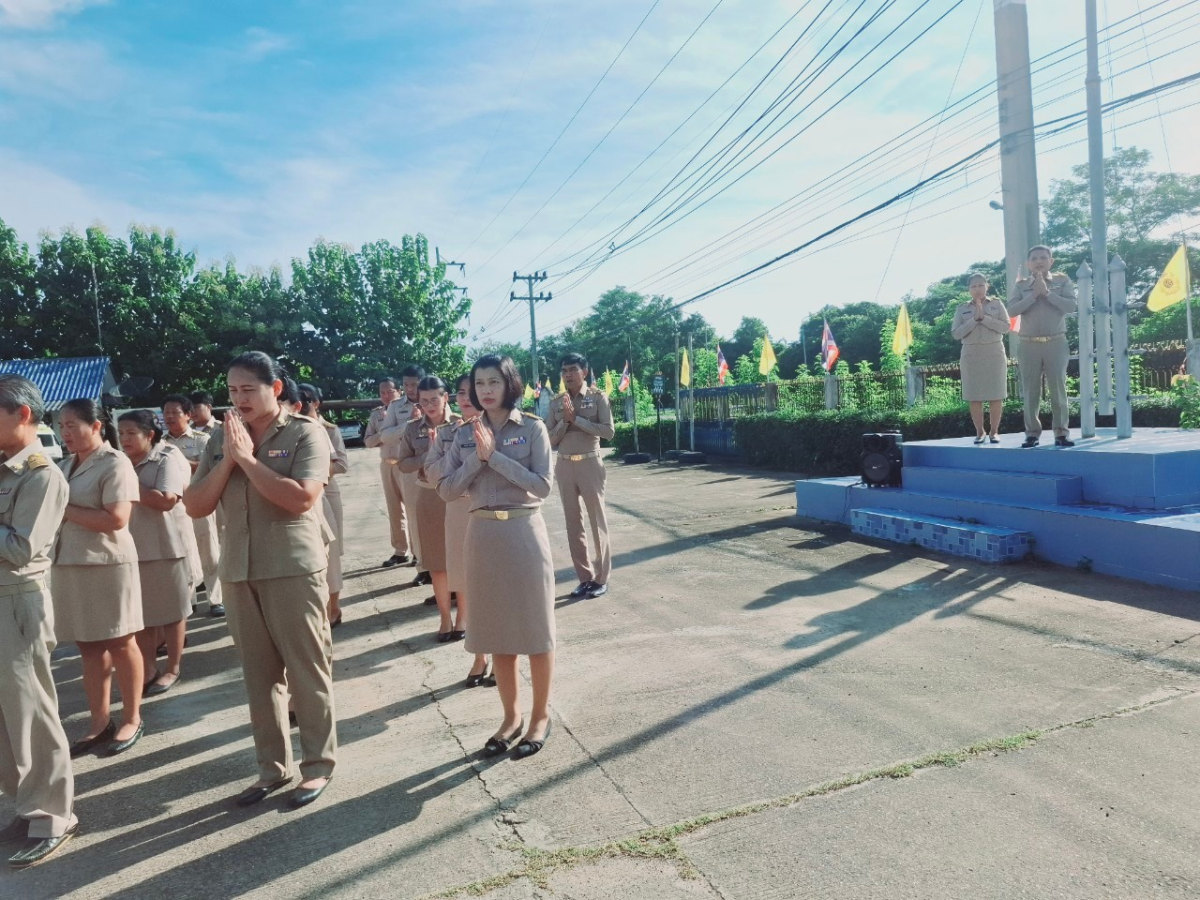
[(502, 515), (575, 457)]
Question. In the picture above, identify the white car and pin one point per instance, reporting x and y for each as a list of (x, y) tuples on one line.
[(351, 431), (50, 445)]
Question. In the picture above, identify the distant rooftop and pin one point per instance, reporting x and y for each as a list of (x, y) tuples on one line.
[(61, 380)]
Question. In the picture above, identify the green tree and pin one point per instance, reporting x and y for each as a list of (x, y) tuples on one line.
[(19, 299)]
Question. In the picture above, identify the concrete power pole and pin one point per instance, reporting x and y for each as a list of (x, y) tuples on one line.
[(530, 281), (1018, 161)]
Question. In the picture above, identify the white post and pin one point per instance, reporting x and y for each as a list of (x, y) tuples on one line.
[(691, 397), (910, 385), (1087, 354), (1119, 304), (831, 391)]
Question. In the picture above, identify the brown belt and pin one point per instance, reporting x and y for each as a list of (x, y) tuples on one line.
[(1041, 340), (577, 457), (503, 515), (12, 590)]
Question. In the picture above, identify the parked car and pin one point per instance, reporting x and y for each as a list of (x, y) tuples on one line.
[(50, 445), (352, 430)]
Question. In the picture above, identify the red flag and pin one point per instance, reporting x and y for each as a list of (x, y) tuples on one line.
[(722, 366), (625, 379), (829, 349)]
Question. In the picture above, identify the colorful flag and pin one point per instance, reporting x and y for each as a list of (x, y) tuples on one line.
[(626, 378), (529, 393), (722, 366), (767, 362), (608, 385), (829, 349), (903, 338), (1173, 285), (685, 371)]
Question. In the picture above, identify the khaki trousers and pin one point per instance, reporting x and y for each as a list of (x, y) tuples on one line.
[(210, 555), (35, 759), (1048, 358), (390, 476), (408, 490), (281, 628), (582, 484)]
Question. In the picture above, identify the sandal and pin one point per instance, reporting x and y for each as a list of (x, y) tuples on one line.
[(500, 743)]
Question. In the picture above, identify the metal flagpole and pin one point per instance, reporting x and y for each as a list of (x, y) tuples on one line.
[(691, 398)]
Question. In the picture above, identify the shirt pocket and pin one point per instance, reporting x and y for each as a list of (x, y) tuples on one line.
[(8, 497)]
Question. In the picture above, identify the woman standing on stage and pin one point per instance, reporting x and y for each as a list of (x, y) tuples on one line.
[(97, 593), (981, 324), (267, 468), (503, 462), (159, 526)]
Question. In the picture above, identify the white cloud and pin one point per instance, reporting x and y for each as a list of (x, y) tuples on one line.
[(59, 70), (261, 43), (40, 13)]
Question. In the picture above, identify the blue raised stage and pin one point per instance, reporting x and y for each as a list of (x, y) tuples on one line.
[(1129, 508)]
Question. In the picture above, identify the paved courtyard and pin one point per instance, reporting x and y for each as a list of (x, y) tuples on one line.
[(761, 707)]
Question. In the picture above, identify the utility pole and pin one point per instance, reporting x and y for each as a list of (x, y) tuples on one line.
[(678, 404), (530, 281), (1101, 306), (1018, 160)]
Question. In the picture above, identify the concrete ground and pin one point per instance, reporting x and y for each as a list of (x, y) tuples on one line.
[(761, 707)]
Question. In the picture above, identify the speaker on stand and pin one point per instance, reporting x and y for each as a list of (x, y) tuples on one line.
[(882, 459)]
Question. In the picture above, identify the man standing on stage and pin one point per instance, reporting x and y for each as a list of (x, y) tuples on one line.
[(577, 421), (1043, 301), (389, 475)]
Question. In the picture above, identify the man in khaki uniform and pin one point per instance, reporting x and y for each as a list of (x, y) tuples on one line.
[(177, 412), (389, 475), (202, 417), (399, 413), (578, 420), (1043, 301), (35, 761)]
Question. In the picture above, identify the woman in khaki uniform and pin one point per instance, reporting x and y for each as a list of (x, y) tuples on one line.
[(266, 468), (97, 593), (457, 514), (159, 525), (503, 461), (331, 499), (981, 324), (430, 508)]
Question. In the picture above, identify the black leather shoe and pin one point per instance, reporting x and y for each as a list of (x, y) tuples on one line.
[(259, 793), (336, 622), (474, 680), (118, 747), (1063, 442), (38, 850), (216, 610), (81, 747), (396, 559), (422, 578), (581, 591), (457, 636), (598, 590), (17, 831), (431, 601), (304, 796), (443, 637), (157, 688), (528, 748), (1029, 442), (500, 743)]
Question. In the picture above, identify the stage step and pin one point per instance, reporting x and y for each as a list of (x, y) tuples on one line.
[(980, 542), (983, 484)]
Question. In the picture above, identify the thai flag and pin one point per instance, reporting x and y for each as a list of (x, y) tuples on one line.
[(625, 379), (829, 349), (722, 366)]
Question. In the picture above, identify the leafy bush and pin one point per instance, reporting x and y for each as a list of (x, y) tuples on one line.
[(647, 436)]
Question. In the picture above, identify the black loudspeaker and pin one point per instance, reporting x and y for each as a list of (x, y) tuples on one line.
[(882, 459)]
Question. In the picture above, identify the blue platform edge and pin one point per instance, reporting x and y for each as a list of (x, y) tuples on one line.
[(1154, 539)]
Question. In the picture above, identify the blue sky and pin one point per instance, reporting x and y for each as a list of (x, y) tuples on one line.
[(253, 129)]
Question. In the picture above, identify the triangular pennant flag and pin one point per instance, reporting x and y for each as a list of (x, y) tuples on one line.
[(829, 348), (608, 384), (722, 366), (1174, 284), (767, 362), (625, 379), (903, 338), (529, 393), (685, 371)]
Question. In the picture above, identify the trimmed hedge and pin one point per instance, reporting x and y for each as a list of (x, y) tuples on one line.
[(829, 442)]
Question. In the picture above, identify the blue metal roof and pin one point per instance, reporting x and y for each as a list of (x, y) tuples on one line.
[(61, 380)]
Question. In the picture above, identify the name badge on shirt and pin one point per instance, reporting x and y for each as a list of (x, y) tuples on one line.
[(508, 442), (277, 454), (587, 402), (467, 446), (422, 432)]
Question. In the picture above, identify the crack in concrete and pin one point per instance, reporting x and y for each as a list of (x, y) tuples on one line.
[(600, 768)]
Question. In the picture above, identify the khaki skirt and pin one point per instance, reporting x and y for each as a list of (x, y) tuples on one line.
[(457, 513), (166, 590), (984, 371), (510, 586), (431, 525), (96, 603)]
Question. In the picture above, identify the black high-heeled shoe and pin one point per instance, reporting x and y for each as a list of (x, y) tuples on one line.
[(478, 680), (445, 636), (498, 744)]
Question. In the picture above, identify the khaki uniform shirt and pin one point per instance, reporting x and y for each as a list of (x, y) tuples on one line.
[(516, 477), (1043, 317), (106, 477), (159, 535), (191, 443), (994, 326), (391, 429), (593, 422), (374, 423), (211, 427), (339, 459), (33, 496), (262, 540), (415, 447)]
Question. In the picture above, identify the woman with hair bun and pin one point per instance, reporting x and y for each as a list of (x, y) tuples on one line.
[(267, 469), (981, 324), (97, 592), (331, 499), (160, 529)]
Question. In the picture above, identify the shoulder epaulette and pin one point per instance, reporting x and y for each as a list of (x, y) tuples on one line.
[(36, 461), (530, 415)]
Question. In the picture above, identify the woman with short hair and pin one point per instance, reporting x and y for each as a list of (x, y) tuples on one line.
[(981, 324)]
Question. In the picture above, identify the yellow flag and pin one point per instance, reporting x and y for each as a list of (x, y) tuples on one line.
[(562, 385), (529, 395), (767, 362), (1173, 285), (608, 385), (685, 371), (903, 338)]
